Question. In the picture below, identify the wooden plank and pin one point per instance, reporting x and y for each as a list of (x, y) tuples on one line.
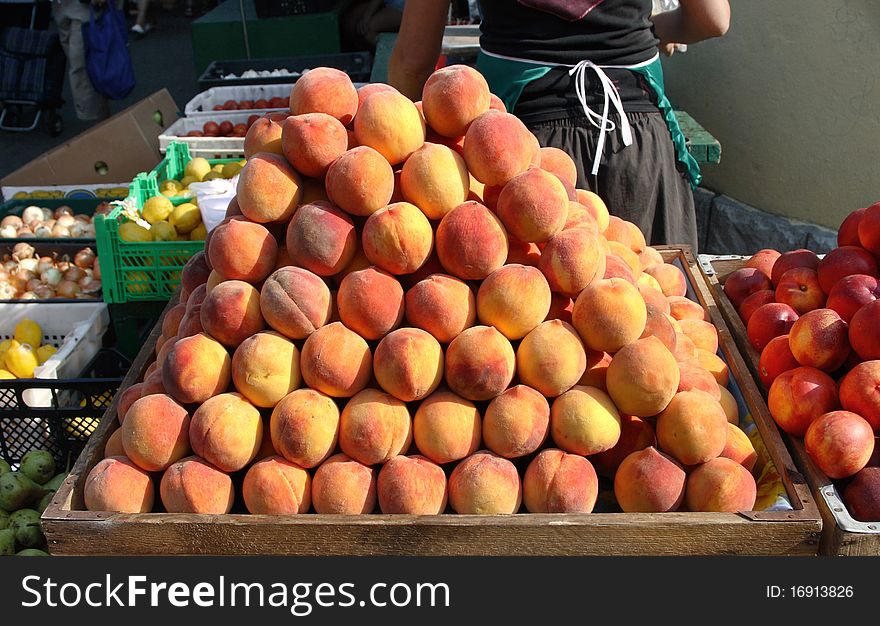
[(71, 530), (835, 539)]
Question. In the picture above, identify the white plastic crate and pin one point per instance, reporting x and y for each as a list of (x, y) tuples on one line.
[(208, 147), (203, 104)]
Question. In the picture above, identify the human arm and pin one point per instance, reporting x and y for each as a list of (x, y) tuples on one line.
[(692, 21), (418, 45)]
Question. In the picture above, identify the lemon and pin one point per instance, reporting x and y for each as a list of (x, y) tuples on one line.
[(197, 168), (6, 375), (163, 231), (29, 332), (169, 193), (231, 169), (173, 185), (21, 360), (217, 167), (130, 231), (138, 282), (212, 175), (44, 352), (185, 217), (81, 427), (4, 346), (199, 233), (157, 208), (186, 180), (243, 162)]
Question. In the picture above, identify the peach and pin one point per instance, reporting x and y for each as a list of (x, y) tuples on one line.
[(227, 431), (585, 421), (192, 485), (729, 404), (845, 261), (411, 485), (648, 481), (342, 486), (325, 90), (797, 397), (113, 447), (702, 333), (659, 325), (848, 232), (126, 399), (655, 298), (560, 308), (819, 339), (551, 358), (453, 97), (435, 179), (195, 271), (595, 375), (650, 256), (642, 377), (360, 181), (558, 482), (869, 229), (860, 392), (776, 358), (215, 278), (305, 427), (312, 141), (314, 190), (684, 308), (242, 250), (754, 302), (739, 447), (197, 368), (431, 266), (231, 313), (264, 135), (374, 427), (799, 288), (485, 484), (446, 427), (336, 361), (744, 282), (274, 486), (671, 279), (480, 363), (520, 253), (558, 162), (398, 238), (862, 495), (368, 89), (609, 314), (153, 383), (196, 297), (635, 434), (769, 321), (295, 302), (721, 485), (684, 348), (514, 299), (391, 124), (577, 216), (117, 484), (408, 364), (490, 195), (321, 238), (864, 331), (788, 260), (268, 188), (840, 443), (497, 147), (596, 207), (533, 206), (626, 257), (573, 259), (692, 428), (171, 320), (471, 242), (442, 305), (715, 365), (516, 423), (851, 293), (763, 260), (370, 302), (155, 433), (695, 376), (266, 448), (265, 368)]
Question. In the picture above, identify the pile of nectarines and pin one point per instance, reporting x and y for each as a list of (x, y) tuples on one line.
[(409, 307), (816, 324)]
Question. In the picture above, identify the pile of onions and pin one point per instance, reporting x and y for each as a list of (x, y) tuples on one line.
[(44, 223), (26, 276)]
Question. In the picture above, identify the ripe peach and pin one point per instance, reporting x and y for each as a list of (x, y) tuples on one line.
[(408, 364), (336, 361), (155, 433), (799, 396), (635, 434), (485, 484), (411, 485), (227, 431), (721, 485), (558, 482), (799, 288), (342, 486), (374, 427), (242, 250), (231, 313), (848, 233), (595, 206), (671, 279), (520, 253), (360, 181), (763, 260), (442, 305), (192, 485), (551, 358), (796, 258), (533, 206), (312, 141), (649, 481), (643, 377), (595, 374), (655, 298), (840, 443), (514, 299), (729, 404), (754, 302), (819, 339), (391, 124), (864, 331), (471, 242), (497, 147), (126, 399), (295, 302), (113, 447), (398, 238), (370, 303), (269, 189), (851, 293), (435, 179), (869, 229), (265, 368), (862, 495), (692, 428), (769, 321), (744, 282), (196, 368), (845, 261), (304, 427), (609, 314), (739, 447), (274, 486), (516, 423), (321, 238), (558, 162), (264, 135), (446, 427), (196, 271), (776, 358), (695, 376), (117, 484), (325, 90), (702, 333), (560, 308), (584, 420), (860, 392), (682, 308), (615, 267), (453, 97), (480, 363)]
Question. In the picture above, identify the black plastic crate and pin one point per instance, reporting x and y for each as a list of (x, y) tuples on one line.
[(283, 8), (78, 404), (357, 65)]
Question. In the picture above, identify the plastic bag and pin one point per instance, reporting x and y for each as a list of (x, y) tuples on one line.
[(108, 60)]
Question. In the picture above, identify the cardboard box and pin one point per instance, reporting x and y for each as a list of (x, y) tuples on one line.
[(108, 155)]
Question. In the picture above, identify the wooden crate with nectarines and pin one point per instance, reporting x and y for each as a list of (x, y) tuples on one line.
[(465, 356)]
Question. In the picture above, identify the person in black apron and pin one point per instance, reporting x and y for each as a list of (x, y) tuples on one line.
[(585, 76)]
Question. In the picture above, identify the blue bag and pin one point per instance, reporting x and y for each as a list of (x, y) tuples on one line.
[(108, 60)]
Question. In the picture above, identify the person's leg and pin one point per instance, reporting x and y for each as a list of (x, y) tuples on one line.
[(141, 25), (88, 103)]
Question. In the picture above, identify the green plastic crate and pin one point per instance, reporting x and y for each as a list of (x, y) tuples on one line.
[(174, 164)]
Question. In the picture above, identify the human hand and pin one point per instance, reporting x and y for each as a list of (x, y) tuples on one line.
[(668, 48)]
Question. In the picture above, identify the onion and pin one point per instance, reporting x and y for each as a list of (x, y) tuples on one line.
[(63, 264), (10, 266), (63, 210), (67, 289), (52, 276), (89, 231), (90, 285), (33, 283), (85, 258), (47, 214), (8, 232), (7, 291), (44, 263), (96, 269), (29, 265), (22, 251), (4, 275), (44, 292), (42, 231), (74, 274), (25, 233), (83, 218), (20, 279), (60, 231), (27, 295), (32, 213), (12, 220), (65, 220), (77, 230)]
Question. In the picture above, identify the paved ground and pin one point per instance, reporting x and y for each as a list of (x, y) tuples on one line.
[(164, 58)]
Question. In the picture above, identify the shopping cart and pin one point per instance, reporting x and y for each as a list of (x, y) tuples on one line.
[(32, 65)]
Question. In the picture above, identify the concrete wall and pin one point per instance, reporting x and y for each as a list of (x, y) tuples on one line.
[(792, 92)]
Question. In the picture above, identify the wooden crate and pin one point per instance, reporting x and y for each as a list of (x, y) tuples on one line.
[(72, 530), (842, 535)]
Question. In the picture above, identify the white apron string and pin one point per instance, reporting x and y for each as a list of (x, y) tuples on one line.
[(602, 122)]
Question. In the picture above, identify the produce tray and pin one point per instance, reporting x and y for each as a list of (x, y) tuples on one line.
[(48, 247), (202, 105), (172, 166), (231, 148), (356, 64), (80, 206), (842, 535), (72, 530)]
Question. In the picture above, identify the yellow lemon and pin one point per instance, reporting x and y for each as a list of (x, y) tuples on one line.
[(185, 217), (171, 184), (231, 169), (217, 167), (21, 360), (29, 332), (186, 180), (243, 162), (197, 168), (163, 231), (131, 231), (168, 193), (4, 346), (44, 352), (212, 175), (6, 375), (157, 208), (199, 233)]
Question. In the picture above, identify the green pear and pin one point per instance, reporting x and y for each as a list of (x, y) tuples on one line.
[(17, 491), (38, 465), (7, 542), (4, 467), (32, 552), (56, 482), (44, 502), (4, 519)]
